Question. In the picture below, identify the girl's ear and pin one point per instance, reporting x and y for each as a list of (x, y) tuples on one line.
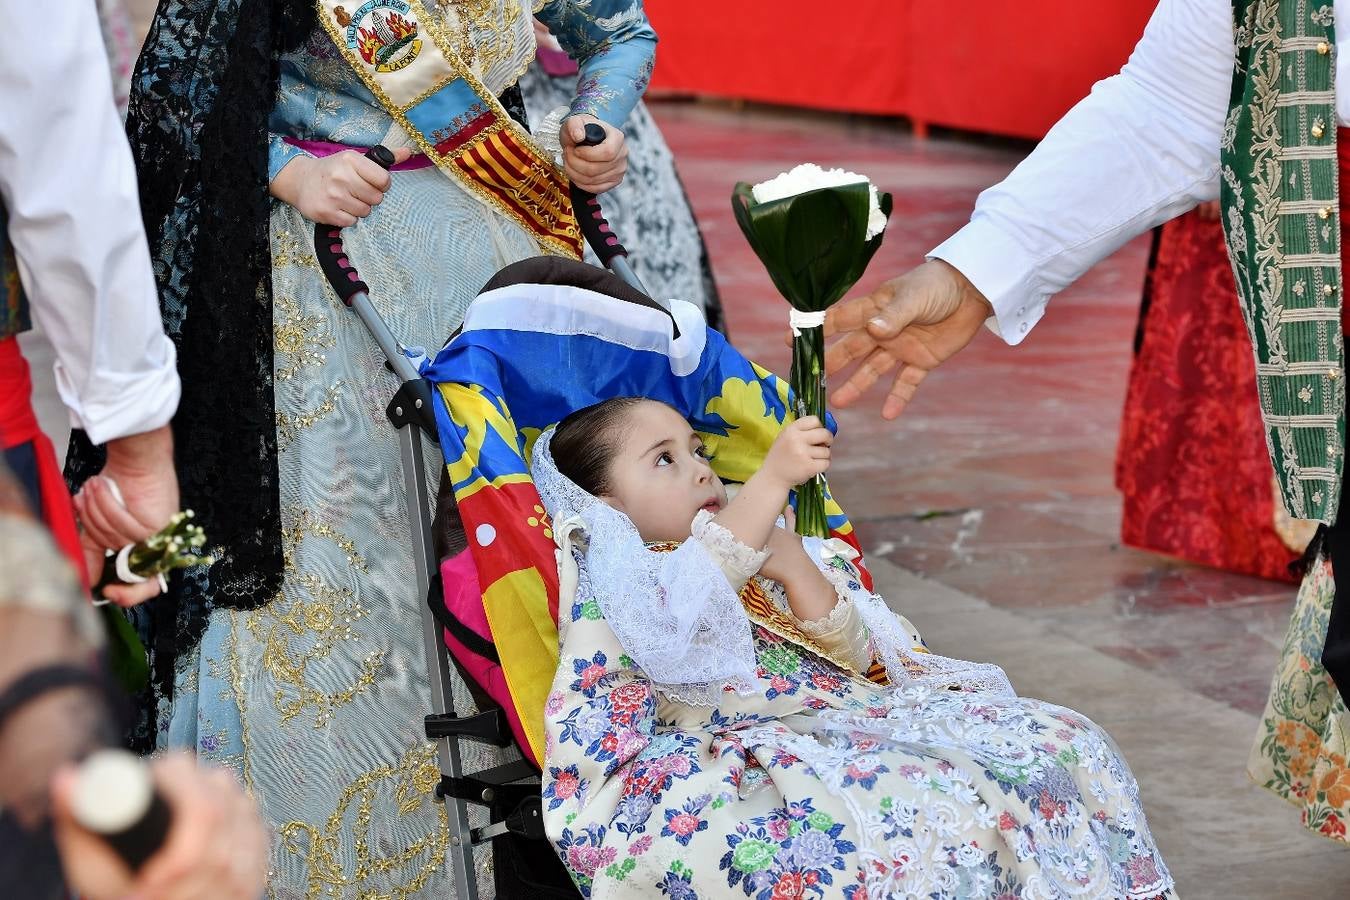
[(613, 503)]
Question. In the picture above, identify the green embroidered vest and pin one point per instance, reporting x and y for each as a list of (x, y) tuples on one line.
[(1280, 210), (13, 304)]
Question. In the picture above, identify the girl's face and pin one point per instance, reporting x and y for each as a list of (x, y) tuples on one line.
[(659, 476)]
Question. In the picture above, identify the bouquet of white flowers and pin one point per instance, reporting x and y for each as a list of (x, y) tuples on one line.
[(815, 230), (176, 546)]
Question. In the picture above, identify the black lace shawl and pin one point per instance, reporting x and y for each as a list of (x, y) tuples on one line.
[(202, 92)]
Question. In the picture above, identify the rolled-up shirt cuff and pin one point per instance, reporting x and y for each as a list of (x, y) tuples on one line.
[(125, 403), (1003, 271)]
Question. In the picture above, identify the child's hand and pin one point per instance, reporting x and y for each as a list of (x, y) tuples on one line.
[(799, 453), (334, 190), (786, 556)]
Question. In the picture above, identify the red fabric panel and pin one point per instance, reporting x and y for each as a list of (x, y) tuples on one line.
[(1015, 68), (847, 57), (997, 66), (19, 425), (1192, 465)]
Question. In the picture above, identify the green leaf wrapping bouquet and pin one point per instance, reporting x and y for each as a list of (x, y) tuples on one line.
[(815, 230)]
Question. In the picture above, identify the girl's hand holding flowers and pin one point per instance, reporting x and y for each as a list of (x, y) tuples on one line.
[(799, 453)]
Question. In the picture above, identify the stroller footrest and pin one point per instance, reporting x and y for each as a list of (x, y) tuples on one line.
[(526, 821), (498, 786), (490, 727)]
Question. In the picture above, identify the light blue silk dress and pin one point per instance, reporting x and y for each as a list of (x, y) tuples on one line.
[(317, 698)]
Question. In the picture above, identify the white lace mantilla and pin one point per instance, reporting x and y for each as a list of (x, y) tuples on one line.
[(739, 562), (674, 613)]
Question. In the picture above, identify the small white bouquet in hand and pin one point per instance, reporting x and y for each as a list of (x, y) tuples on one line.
[(177, 545), (815, 230)]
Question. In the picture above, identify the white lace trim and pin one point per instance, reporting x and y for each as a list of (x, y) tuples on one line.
[(833, 621), (675, 614), (739, 560), (892, 644)]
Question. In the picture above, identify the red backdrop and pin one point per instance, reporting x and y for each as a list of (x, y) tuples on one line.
[(996, 66)]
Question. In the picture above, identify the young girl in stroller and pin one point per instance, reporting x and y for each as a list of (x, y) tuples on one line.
[(713, 731)]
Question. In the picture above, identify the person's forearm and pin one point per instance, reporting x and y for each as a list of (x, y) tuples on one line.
[(148, 452), (615, 46), (285, 185), (69, 187), (752, 513), (1142, 148), (809, 592)]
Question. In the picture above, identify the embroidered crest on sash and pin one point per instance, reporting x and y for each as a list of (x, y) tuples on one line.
[(417, 67), (383, 32)]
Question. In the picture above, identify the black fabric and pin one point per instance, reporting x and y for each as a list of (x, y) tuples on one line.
[(202, 90), (1336, 650), (34, 684), (523, 868), (560, 270), (29, 863), (23, 465)]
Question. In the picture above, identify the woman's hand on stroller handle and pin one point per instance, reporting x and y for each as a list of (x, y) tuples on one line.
[(337, 189), (593, 167)]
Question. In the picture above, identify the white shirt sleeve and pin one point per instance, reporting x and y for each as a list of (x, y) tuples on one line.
[(69, 189), (1142, 148)]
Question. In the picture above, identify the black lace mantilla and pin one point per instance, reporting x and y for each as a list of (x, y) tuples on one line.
[(202, 91)]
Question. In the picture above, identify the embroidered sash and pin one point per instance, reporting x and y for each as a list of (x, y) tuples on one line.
[(408, 59)]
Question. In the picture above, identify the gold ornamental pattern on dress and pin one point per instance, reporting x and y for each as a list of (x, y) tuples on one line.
[(416, 65), (1279, 190)]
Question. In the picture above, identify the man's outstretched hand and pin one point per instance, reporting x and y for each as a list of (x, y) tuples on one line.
[(910, 324)]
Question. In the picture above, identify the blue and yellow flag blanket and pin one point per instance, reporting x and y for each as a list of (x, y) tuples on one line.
[(528, 355)]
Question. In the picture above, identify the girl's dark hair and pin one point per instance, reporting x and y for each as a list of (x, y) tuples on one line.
[(585, 442)]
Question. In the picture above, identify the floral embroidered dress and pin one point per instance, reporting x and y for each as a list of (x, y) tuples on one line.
[(317, 697), (823, 783)]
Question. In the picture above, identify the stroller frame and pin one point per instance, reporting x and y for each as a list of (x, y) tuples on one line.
[(510, 792)]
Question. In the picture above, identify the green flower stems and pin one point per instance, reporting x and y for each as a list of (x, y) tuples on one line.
[(807, 381)]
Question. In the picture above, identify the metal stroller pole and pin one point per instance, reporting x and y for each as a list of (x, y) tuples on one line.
[(515, 807), (411, 413), (596, 230)]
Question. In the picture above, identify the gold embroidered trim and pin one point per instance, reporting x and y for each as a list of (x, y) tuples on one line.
[(1316, 151), (1306, 98), (1311, 314), (441, 38), (1299, 44), (1274, 370), (1296, 421), (414, 778), (1302, 207), (1309, 260)]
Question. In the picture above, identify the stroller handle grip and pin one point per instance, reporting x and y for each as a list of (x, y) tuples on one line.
[(333, 261), (590, 217)]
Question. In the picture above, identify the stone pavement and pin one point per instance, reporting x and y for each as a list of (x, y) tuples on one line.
[(990, 518)]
